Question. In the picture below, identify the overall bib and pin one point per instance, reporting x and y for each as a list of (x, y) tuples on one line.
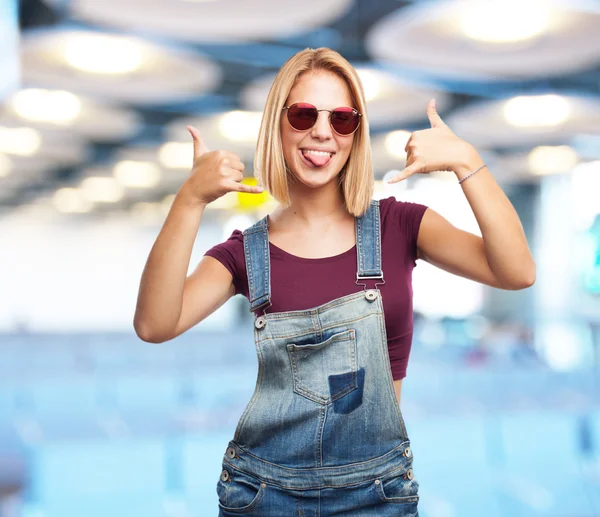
[(323, 433)]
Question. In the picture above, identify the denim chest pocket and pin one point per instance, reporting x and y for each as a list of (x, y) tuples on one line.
[(325, 371)]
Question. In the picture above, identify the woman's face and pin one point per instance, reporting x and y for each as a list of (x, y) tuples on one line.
[(325, 90)]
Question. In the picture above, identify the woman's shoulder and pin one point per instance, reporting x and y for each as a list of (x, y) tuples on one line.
[(403, 215), (230, 250), (230, 253), (392, 206)]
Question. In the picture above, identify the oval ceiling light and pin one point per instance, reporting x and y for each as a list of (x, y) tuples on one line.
[(240, 126), (22, 141), (115, 67), (536, 111), (102, 53), (371, 83), (52, 109), (102, 189), (71, 200), (226, 21), (495, 22), (526, 120), (137, 174), (35, 153), (235, 131), (176, 155), (149, 170), (38, 105), (544, 159), (466, 40), (395, 142)]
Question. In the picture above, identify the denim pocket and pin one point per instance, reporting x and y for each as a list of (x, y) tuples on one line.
[(325, 371), (240, 493), (399, 486)]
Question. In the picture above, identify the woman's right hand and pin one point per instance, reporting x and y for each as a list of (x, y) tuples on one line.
[(214, 173)]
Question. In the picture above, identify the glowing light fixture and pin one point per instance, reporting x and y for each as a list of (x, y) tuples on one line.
[(240, 126), (71, 200), (22, 141), (395, 142), (176, 155), (552, 159), (537, 111), (102, 54), (102, 189), (503, 22), (370, 82), (137, 174), (58, 106)]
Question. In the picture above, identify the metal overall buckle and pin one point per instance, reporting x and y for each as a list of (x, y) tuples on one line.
[(261, 321), (370, 294)]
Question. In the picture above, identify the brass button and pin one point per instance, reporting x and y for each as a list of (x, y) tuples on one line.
[(407, 452), (377, 481), (260, 322), (371, 295), (410, 474), (224, 475), (264, 485), (231, 452)]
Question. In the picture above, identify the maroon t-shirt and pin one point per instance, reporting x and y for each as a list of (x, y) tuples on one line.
[(303, 283)]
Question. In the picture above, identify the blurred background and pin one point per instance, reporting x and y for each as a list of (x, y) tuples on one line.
[(502, 396)]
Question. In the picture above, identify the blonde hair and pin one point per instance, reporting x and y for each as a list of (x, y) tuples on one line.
[(356, 179)]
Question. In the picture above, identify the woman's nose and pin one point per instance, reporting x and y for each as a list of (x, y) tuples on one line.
[(322, 129)]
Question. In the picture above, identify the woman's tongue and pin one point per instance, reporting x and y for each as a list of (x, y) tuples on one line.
[(318, 160)]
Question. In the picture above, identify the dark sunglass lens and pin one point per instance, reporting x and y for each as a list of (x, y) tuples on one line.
[(344, 120), (302, 116)]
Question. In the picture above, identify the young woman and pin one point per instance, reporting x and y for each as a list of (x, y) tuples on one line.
[(323, 433)]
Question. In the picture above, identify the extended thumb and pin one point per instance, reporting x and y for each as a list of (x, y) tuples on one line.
[(199, 146)]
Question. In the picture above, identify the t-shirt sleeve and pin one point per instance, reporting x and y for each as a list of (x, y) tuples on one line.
[(406, 216), (231, 254)]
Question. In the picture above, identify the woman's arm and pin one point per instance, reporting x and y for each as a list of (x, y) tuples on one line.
[(501, 257), (168, 302)]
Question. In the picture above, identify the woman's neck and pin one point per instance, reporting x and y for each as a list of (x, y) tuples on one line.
[(312, 208)]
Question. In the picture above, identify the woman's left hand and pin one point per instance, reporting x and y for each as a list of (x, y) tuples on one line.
[(437, 149)]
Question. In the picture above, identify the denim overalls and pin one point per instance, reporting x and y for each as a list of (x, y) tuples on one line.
[(322, 433)]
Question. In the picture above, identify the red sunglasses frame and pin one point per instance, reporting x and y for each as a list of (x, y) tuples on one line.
[(308, 105)]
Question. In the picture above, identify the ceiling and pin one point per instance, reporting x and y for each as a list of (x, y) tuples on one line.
[(108, 87)]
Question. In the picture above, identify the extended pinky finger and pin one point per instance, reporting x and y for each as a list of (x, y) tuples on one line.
[(409, 171), (251, 189)]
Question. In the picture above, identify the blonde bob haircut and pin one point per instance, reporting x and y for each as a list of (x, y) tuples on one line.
[(356, 177)]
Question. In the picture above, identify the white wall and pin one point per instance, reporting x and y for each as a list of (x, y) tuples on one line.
[(59, 274)]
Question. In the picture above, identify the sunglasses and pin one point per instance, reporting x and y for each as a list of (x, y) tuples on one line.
[(302, 116)]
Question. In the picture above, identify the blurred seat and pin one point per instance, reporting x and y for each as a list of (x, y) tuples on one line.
[(541, 464), (97, 478), (452, 457), (201, 465)]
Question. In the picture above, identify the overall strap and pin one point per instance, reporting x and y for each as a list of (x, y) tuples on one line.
[(368, 243), (256, 253)]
